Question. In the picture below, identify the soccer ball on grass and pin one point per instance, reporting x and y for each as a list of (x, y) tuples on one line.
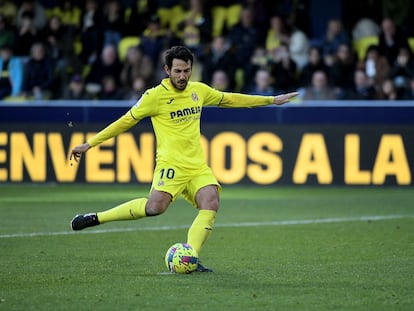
[(181, 258)]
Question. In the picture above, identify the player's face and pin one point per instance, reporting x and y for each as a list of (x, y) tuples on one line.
[(179, 73)]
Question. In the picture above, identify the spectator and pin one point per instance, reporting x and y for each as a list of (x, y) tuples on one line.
[(260, 60), (59, 43), (244, 38), (58, 39), (319, 89), (36, 10), (388, 91), (195, 30), (107, 65), (38, 74), (190, 36), (315, 63), (362, 88), (91, 32), (391, 39), (342, 70), (376, 66), (153, 40), (335, 35), (113, 22), (76, 89), (136, 65), (9, 11), (283, 69), (7, 35), (298, 44), (27, 35), (11, 69), (276, 34), (219, 57), (220, 81), (263, 11), (109, 89), (409, 93), (263, 84), (138, 87), (140, 16), (365, 27), (402, 71), (69, 14)]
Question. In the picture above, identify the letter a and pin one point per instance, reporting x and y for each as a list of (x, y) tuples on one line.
[(312, 159)]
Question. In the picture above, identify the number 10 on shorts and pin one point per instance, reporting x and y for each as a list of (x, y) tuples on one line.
[(168, 173)]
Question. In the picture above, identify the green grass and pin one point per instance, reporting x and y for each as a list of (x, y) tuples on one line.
[(260, 261)]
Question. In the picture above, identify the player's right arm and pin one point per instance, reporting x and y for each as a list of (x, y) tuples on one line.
[(143, 108), (119, 126)]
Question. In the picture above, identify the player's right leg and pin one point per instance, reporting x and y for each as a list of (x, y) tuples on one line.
[(156, 204)]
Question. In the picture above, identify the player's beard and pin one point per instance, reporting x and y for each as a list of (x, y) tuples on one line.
[(180, 84)]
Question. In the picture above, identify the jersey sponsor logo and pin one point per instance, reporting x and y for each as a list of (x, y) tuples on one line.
[(170, 101), (185, 112), (194, 96)]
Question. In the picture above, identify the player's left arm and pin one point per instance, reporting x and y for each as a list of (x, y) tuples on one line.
[(234, 100)]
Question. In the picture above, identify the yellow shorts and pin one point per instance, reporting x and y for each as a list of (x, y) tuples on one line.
[(176, 181)]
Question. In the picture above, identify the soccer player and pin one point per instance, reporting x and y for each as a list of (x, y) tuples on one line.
[(175, 107)]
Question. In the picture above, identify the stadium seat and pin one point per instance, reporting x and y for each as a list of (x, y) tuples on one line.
[(86, 70), (362, 45), (124, 44), (233, 15), (411, 43), (239, 79), (77, 46), (13, 99), (127, 14), (171, 17), (225, 17)]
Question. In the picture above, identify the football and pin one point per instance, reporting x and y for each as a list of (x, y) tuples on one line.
[(181, 258)]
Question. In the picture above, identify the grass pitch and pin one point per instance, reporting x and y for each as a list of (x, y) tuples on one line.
[(273, 248)]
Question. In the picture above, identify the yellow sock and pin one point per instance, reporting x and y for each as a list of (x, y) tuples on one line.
[(201, 229), (133, 209)]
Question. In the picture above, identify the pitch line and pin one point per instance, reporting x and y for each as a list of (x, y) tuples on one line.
[(224, 225)]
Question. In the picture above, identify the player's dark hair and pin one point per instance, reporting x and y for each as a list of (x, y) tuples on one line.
[(179, 52)]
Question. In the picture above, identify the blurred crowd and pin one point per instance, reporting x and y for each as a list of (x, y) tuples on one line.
[(113, 50)]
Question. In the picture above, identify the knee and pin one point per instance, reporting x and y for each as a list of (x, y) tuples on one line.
[(157, 203), (208, 199), (155, 208), (212, 204)]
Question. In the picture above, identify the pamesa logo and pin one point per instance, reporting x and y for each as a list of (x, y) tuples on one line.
[(185, 112)]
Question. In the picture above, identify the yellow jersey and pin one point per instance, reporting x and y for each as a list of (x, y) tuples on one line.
[(175, 116)]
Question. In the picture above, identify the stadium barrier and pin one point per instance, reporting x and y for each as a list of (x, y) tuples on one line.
[(317, 143)]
